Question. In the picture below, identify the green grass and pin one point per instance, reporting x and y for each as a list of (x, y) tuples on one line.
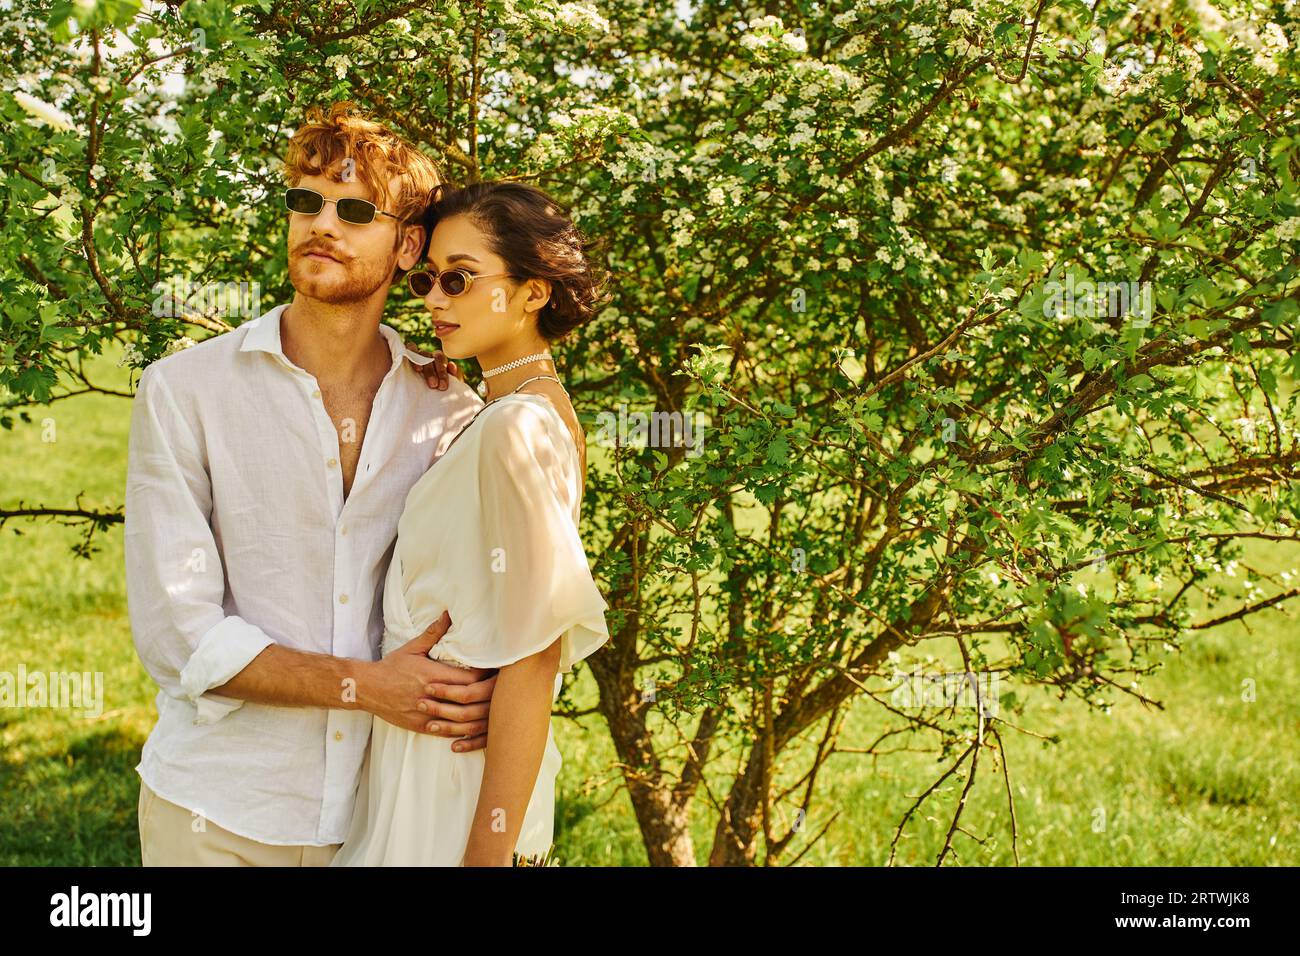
[(69, 789), (1210, 780)]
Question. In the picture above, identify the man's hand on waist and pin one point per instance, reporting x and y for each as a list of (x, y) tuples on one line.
[(409, 690)]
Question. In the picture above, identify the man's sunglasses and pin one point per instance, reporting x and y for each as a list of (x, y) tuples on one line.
[(453, 282), (309, 203)]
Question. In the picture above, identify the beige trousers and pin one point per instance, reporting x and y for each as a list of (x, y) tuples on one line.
[(168, 838)]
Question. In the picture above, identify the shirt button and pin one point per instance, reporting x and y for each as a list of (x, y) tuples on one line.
[(338, 735), (316, 394), (343, 530), (343, 599), (332, 462)]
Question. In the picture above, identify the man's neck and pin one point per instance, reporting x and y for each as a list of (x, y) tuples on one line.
[(335, 343)]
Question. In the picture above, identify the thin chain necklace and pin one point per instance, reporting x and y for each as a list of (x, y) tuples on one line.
[(551, 378), (498, 398), (488, 373)]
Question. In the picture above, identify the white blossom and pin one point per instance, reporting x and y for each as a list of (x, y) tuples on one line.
[(43, 111), (920, 32), (178, 345), (131, 356), (580, 16), (339, 64), (866, 100)]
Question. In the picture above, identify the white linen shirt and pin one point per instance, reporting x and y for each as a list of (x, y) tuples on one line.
[(237, 536)]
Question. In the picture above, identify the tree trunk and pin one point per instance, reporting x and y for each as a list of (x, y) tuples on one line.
[(664, 820)]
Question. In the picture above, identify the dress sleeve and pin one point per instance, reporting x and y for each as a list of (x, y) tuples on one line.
[(539, 585)]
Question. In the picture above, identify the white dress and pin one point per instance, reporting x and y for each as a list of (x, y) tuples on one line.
[(490, 534)]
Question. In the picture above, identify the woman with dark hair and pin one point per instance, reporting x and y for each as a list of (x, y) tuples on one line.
[(489, 536)]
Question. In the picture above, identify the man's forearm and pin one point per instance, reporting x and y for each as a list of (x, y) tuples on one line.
[(280, 675)]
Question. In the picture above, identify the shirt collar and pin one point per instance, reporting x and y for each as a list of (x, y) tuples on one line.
[(264, 336)]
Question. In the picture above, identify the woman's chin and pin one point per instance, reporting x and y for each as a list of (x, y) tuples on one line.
[(452, 352)]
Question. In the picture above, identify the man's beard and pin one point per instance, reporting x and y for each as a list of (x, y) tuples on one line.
[(336, 284)]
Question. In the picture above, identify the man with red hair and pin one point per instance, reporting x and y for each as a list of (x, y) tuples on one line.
[(267, 470)]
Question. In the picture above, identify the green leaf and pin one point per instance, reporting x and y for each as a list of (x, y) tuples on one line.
[(778, 452)]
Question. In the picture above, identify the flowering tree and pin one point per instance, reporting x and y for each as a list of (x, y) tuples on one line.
[(946, 327)]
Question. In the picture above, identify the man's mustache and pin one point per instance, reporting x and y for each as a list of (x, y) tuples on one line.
[(321, 251)]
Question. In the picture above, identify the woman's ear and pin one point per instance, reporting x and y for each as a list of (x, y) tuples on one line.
[(539, 293)]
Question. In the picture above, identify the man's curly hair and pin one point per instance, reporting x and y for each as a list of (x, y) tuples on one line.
[(329, 140)]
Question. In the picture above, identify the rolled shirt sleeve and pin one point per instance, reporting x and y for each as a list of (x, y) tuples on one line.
[(174, 577)]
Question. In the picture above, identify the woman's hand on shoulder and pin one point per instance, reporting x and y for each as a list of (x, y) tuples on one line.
[(436, 372)]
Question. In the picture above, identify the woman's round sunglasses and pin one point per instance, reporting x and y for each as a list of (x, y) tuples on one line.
[(453, 282), (309, 203)]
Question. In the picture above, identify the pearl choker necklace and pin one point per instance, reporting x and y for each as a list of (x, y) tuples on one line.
[(488, 373)]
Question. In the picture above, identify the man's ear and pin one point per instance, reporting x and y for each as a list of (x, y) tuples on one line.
[(410, 246)]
